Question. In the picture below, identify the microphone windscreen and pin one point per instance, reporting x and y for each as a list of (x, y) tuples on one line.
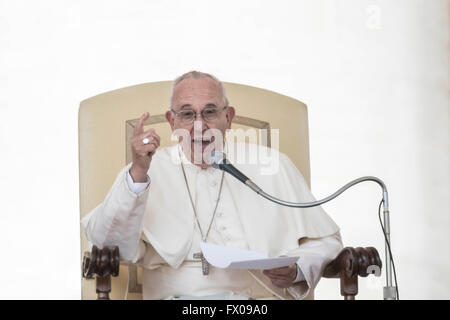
[(217, 158)]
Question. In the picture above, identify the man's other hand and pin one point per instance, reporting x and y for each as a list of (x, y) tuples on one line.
[(282, 277)]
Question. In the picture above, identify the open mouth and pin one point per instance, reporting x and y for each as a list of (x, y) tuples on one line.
[(203, 141)]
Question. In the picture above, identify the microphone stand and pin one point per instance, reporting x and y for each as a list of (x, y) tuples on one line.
[(389, 292), (219, 161)]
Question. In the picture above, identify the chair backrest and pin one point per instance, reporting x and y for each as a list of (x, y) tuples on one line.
[(107, 120)]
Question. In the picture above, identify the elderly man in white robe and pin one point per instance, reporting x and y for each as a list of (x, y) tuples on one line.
[(159, 210)]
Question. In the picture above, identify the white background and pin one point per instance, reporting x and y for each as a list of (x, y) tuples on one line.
[(374, 74)]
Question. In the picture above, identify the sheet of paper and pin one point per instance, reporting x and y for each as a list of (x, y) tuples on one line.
[(227, 257)]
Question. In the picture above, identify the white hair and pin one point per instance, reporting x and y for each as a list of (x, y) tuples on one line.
[(197, 75)]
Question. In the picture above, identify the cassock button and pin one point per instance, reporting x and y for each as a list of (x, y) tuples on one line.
[(213, 183)]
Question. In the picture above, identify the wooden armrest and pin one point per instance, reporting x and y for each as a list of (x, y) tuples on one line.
[(102, 264), (348, 265), (351, 263)]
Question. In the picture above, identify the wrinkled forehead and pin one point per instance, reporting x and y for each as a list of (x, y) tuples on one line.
[(197, 93)]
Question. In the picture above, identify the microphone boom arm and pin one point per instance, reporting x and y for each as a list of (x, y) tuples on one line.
[(389, 292), (219, 161)]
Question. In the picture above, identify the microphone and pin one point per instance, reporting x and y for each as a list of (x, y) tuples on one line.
[(219, 161)]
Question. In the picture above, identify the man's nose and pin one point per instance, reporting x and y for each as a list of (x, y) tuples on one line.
[(200, 126), (199, 119)]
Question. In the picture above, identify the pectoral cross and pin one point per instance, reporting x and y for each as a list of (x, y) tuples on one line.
[(205, 264)]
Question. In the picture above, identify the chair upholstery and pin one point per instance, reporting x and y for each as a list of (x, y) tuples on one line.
[(107, 119)]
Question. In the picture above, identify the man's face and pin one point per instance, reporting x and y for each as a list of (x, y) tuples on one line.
[(196, 95)]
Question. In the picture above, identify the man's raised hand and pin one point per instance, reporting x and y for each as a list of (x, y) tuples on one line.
[(142, 153)]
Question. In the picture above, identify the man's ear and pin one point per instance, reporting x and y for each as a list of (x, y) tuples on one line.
[(230, 115), (170, 119)]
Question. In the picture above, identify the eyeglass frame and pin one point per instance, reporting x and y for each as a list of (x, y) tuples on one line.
[(220, 110)]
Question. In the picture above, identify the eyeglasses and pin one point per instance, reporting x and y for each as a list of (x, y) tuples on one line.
[(208, 114)]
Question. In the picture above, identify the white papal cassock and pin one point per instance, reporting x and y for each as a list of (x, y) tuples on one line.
[(156, 228)]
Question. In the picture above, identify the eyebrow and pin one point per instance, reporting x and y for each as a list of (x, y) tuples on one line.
[(187, 105)]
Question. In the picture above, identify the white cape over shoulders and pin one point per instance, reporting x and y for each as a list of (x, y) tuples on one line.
[(169, 223)]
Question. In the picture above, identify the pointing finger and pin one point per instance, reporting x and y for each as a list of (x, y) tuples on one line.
[(140, 126)]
